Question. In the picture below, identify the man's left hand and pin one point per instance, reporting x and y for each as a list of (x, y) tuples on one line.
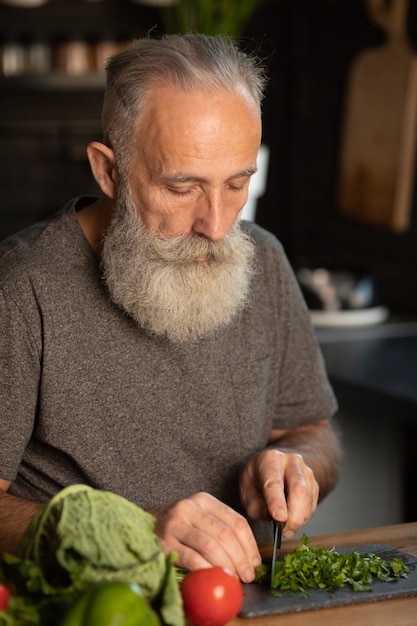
[(280, 485)]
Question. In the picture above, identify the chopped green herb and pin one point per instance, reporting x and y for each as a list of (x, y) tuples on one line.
[(318, 568)]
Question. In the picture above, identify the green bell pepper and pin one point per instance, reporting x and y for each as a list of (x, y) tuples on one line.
[(112, 604)]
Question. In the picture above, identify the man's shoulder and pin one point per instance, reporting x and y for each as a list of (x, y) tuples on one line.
[(33, 248), (273, 271), (260, 235), (268, 247)]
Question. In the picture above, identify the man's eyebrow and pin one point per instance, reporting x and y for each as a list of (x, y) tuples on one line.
[(189, 178), (248, 172)]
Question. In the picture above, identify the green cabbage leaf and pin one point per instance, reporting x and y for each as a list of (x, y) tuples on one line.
[(83, 536)]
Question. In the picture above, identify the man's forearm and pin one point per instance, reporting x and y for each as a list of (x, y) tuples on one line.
[(15, 516), (319, 445)]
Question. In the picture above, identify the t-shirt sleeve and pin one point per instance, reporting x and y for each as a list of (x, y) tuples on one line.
[(19, 375), (303, 393)]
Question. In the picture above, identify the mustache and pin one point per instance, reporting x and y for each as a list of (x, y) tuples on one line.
[(183, 249)]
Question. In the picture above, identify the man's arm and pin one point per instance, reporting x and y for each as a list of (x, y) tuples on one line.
[(287, 480), (15, 516)]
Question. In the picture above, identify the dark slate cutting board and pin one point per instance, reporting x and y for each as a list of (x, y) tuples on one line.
[(259, 602)]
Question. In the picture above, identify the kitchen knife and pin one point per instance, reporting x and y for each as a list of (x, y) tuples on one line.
[(277, 535)]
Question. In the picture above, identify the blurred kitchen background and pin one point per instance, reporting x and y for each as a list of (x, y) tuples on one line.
[(338, 187)]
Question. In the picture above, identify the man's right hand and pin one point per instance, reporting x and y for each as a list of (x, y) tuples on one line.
[(205, 532)]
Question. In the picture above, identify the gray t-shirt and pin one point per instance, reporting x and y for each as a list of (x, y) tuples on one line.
[(87, 396)]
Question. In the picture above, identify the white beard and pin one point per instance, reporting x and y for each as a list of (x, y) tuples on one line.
[(157, 281)]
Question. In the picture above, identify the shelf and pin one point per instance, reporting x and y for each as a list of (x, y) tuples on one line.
[(55, 81)]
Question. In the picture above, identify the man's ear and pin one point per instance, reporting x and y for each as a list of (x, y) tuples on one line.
[(103, 166)]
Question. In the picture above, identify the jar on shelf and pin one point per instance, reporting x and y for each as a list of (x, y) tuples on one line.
[(13, 58), (39, 57), (72, 56), (100, 50)]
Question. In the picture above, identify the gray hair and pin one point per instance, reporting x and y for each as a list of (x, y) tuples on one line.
[(189, 61)]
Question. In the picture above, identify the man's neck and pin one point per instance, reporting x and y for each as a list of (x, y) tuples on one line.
[(94, 221)]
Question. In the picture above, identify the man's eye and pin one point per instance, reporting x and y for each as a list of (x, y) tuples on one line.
[(236, 187), (179, 192), (239, 184)]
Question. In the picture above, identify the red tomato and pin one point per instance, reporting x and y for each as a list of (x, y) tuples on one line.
[(211, 597), (4, 597)]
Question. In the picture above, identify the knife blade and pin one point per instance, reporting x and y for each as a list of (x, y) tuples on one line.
[(277, 535)]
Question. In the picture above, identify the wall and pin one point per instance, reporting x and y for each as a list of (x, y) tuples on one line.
[(310, 45)]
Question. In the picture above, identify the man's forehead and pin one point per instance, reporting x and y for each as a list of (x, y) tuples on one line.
[(175, 115), (163, 97), (182, 133)]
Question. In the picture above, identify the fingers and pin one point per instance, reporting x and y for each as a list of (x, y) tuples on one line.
[(303, 494), (279, 485), (205, 532)]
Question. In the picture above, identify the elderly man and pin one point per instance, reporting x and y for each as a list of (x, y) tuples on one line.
[(154, 345)]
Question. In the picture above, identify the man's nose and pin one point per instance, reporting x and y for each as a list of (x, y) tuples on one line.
[(209, 220)]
